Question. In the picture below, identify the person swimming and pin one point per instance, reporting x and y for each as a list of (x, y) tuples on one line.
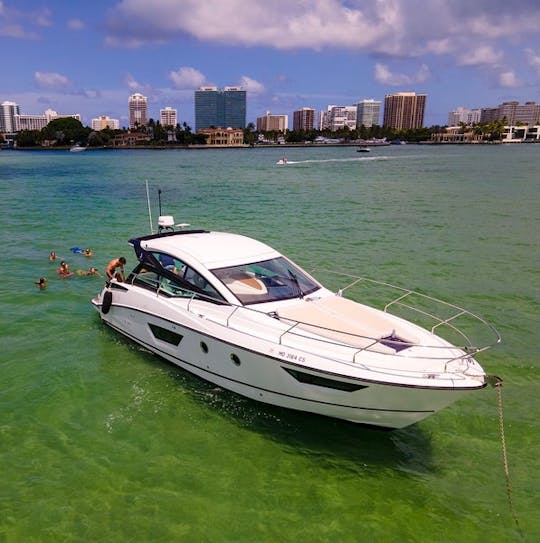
[(90, 271), (52, 256), (64, 269), (41, 283)]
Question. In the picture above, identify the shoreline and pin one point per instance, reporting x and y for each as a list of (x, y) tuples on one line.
[(263, 146)]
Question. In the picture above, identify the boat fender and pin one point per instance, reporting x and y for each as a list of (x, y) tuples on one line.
[(107, 302)]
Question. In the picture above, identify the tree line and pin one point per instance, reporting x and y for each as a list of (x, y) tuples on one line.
[(67, 131)]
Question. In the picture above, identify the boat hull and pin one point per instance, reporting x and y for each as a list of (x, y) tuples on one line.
[(268, 372)]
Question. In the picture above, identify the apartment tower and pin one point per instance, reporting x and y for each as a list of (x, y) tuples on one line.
[(8, 111), (103, 121), (304, 119), (404, 110), (220, 108), (168, 117), (368, 113), (138, 110), (270, 122)]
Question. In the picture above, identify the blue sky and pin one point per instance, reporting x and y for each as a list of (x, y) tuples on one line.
[(88, 57)]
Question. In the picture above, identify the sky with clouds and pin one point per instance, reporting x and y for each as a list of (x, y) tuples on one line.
[(88, 57)]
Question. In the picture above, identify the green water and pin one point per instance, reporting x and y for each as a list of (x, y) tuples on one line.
[(102, 441)]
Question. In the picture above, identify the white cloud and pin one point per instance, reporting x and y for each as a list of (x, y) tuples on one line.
[(483, 55), (533, 59), (51, 80), (395, 27), (187, 78), (252, 86), (287, 25), (15, 23), (132, 83), (75, 24), (508, 79), (385, 76)]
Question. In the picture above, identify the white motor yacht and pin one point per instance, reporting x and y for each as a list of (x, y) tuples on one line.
[(239, 314)]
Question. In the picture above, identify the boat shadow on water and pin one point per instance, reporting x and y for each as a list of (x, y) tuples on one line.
[(329, 441)]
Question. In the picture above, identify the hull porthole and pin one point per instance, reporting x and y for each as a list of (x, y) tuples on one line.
[(106, 303)]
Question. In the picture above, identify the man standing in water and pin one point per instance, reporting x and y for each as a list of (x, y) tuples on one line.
[(112, 267)]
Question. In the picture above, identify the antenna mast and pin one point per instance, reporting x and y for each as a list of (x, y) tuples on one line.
[(149, 210)]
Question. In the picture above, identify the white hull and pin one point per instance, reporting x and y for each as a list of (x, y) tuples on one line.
[(270, 367)]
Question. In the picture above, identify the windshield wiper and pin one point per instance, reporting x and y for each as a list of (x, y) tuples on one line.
[(296, 282)]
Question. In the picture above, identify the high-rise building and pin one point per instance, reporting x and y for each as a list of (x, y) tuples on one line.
[(404, 110), (225, 108), (463, 115), (138, 110), (270, 122), (103, 122), (304, 119), (168, 117), (368, 113), (338, 117), (512, 113), (8, 110), (234, 107)]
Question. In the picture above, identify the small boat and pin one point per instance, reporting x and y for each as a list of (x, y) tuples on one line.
[(236, 312), (77, 148), (363, 150), (282, 161)]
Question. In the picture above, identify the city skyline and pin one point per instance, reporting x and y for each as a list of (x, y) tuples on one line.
[(89, 58)]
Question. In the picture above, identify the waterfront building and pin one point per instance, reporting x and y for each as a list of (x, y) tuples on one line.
[(270, 122), (511, 134), (30, 122), (131, 139), (8, 111), (103, 121), (220, 107), (168, 117), (404, 110), (138, 110), (464, 115), (37, 122), (337, 117), (223, 136), (521, 133), (368, 113), (304, 119), (512, 113)]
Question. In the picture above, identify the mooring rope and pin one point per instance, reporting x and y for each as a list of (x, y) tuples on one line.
[(497, 382)]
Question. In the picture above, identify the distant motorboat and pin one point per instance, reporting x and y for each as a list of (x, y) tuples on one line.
[(282, 161), (77, 148), (363, 150)]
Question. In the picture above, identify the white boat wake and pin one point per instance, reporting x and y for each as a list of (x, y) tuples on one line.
[(355, 159)]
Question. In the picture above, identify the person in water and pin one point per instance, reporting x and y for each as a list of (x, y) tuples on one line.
[(52, 256), (90, 271), (41, 283), (88, 252), (64, 268), (112, 267)]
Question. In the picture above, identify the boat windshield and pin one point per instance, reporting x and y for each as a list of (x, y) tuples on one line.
[(267, 281)]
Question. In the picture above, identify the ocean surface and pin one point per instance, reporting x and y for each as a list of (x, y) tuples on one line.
[(103, 441)]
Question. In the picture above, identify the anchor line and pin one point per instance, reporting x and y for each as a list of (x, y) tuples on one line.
[(498, 386)]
